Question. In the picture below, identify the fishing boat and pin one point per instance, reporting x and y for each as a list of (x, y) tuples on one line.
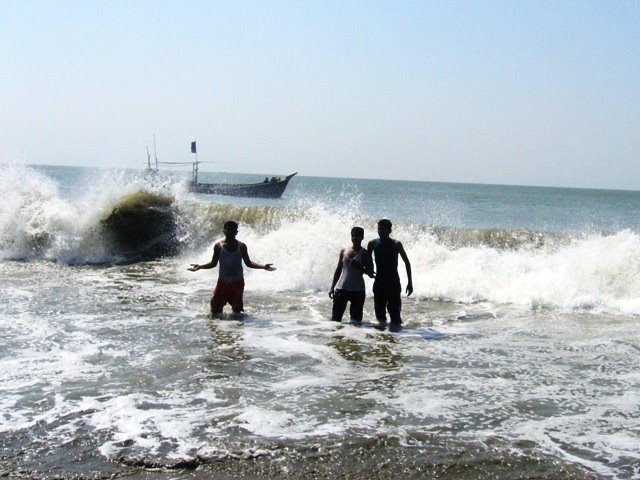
[(269, 188), (272, 187)]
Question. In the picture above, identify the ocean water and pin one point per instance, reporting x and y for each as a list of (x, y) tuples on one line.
[(520, 356)]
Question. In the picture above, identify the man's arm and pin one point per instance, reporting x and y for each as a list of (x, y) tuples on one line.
[(251, 264), (212, 264), (370, 246), (368, 265), (371, 272), (336, 274), (407, 265)]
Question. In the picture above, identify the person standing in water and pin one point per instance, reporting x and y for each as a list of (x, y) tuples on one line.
[(230, 287), (386, 287), (348, 283)]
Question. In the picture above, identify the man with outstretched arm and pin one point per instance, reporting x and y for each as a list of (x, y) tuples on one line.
[(230, 287), (352, 263), (386, 287)]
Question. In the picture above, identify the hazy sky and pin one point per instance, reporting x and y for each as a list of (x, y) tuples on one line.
[(516, 92)]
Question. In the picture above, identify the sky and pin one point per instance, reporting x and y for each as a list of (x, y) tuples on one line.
[(501, 92)]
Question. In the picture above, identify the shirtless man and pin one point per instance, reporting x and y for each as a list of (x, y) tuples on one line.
[(352, 263), (230, 287), (387, 288)]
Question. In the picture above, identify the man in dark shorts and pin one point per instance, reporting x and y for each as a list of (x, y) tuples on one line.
[(386, 287), (352, 263), (230, 287)]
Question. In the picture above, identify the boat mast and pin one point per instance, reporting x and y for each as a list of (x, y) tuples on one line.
[(148, 159), (194, 150), (155, 152)]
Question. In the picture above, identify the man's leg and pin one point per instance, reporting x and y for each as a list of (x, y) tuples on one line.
[(339, 305), (394, 305), (218, 300), (380, 305), (357, 305), (236, 294)]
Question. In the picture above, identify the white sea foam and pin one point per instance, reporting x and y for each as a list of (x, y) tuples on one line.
[(595, 273), (271, 423), (35, 222)]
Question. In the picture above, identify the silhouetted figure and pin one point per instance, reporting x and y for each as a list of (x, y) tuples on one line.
[(386, 287)]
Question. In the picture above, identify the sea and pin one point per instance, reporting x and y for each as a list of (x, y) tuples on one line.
[(519, 356)]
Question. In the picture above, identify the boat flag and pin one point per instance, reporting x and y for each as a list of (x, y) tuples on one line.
[(193, 147)]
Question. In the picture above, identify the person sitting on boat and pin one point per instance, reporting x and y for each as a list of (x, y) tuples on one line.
[(230, 252)]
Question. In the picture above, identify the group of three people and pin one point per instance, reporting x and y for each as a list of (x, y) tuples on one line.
[(348, 282)]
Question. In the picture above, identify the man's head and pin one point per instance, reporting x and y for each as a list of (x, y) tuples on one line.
[(384, 228), (230, 228), (357, 234)]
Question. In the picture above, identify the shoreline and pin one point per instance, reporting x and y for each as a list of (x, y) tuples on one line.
[(371, 459)]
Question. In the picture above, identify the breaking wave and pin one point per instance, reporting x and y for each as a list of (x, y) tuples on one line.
[(134, 219)]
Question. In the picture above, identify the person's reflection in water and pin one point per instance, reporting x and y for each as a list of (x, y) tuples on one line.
[(226, 354)]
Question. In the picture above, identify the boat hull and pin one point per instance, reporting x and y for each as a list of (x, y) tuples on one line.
[(257, 190)]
